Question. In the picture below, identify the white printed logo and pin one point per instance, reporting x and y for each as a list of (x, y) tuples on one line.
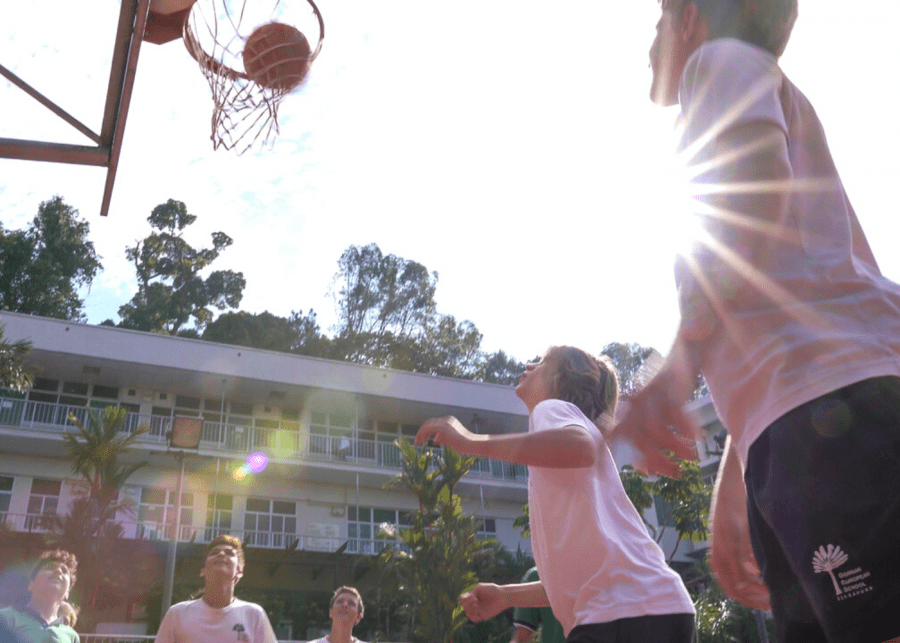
[(846, 584)]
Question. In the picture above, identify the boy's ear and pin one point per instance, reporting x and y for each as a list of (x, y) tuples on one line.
[(692, 28)]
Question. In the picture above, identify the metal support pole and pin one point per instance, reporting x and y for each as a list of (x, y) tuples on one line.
[(173, 542)]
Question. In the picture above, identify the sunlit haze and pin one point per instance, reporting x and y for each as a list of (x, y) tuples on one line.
[(509, 145)]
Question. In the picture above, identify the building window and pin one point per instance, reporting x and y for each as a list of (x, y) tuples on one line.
[(6, 485), (487, 528), (156, 514), (42, 504), (331, 434), (106, 392), (218, 515), (270, 523), (365, 523)]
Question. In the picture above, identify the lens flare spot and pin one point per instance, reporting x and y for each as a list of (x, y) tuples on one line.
[(239, 473), (257, 462)]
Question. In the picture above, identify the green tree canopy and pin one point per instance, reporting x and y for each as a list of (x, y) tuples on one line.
[(171, 291), (388, 317), (43, 267)]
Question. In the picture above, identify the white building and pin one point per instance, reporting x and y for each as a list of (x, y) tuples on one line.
[(326, 428)]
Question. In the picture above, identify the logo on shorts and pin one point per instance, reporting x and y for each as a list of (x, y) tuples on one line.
[(847, 584)]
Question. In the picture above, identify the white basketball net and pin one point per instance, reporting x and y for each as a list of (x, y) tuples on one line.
[(245, 113)]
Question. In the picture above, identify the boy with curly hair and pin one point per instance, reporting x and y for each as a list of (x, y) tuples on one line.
[(601, 573), (795, 329), (40, 621)]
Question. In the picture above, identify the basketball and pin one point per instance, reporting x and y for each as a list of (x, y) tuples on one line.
[(276, 56)]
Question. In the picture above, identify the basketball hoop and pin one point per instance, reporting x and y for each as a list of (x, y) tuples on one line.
[(251, 59)]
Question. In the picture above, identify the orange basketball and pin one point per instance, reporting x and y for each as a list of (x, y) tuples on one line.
[(276, 56)]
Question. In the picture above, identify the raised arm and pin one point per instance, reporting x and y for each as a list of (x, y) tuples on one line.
[(563, 448)]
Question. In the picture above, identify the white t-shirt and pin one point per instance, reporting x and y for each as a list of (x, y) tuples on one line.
[(196, 622), (324, 639), (817, 315), (594, 555)]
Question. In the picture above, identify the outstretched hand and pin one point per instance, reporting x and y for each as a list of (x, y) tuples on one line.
[(655, 422), (482, 602), (447, 431)]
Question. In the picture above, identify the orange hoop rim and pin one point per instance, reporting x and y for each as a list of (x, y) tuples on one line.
[(192, 44)]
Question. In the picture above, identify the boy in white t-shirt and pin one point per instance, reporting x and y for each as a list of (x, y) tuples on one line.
[(601, 573), (218, 616), (346, 612), (786, 314)]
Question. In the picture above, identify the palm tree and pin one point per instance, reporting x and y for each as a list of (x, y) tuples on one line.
[(94, 450), (432, 560), (90, 529), (827, 560)]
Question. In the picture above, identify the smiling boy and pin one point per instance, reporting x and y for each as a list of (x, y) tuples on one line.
[(39, 621), (218, 616)]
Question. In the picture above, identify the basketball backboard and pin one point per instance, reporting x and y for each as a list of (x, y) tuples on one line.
[(70, 72)]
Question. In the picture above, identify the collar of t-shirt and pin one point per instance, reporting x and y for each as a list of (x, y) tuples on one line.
[(40, 619)]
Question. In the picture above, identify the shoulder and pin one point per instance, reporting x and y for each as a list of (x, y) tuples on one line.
[(247, 606), (531, 576), (728, 82), (556, 414), (66, 633)]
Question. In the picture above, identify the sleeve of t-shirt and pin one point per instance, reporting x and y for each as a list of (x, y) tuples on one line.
[(556, 414), (726, 83), (166, 631), (264, 632)]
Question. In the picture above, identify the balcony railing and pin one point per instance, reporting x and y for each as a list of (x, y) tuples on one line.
[(287, 440), (154, 531)]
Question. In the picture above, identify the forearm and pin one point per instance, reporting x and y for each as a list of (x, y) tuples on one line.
[(564, 448), (729, 502), (524, 595)]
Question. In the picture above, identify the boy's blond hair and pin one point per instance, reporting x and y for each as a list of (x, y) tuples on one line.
[(764, 23), (590, 383)]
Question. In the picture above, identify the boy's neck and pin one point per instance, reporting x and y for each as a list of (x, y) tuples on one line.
[(218, 595), (341, 632), (48, 609)]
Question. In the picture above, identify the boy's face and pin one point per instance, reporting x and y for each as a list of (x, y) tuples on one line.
[(52, 582), (222, 565), (536, 384), (676, 40), (345, 608)]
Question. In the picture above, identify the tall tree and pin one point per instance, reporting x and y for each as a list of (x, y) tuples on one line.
[(43, 267), (171, 291), (14, 374)]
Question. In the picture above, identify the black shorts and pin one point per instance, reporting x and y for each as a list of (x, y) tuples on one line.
[(663, 628), (823, 498)]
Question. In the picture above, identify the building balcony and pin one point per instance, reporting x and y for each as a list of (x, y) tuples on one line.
[(239, 437)]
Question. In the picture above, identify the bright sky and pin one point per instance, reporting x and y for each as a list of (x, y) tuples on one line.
[(507, 144)]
